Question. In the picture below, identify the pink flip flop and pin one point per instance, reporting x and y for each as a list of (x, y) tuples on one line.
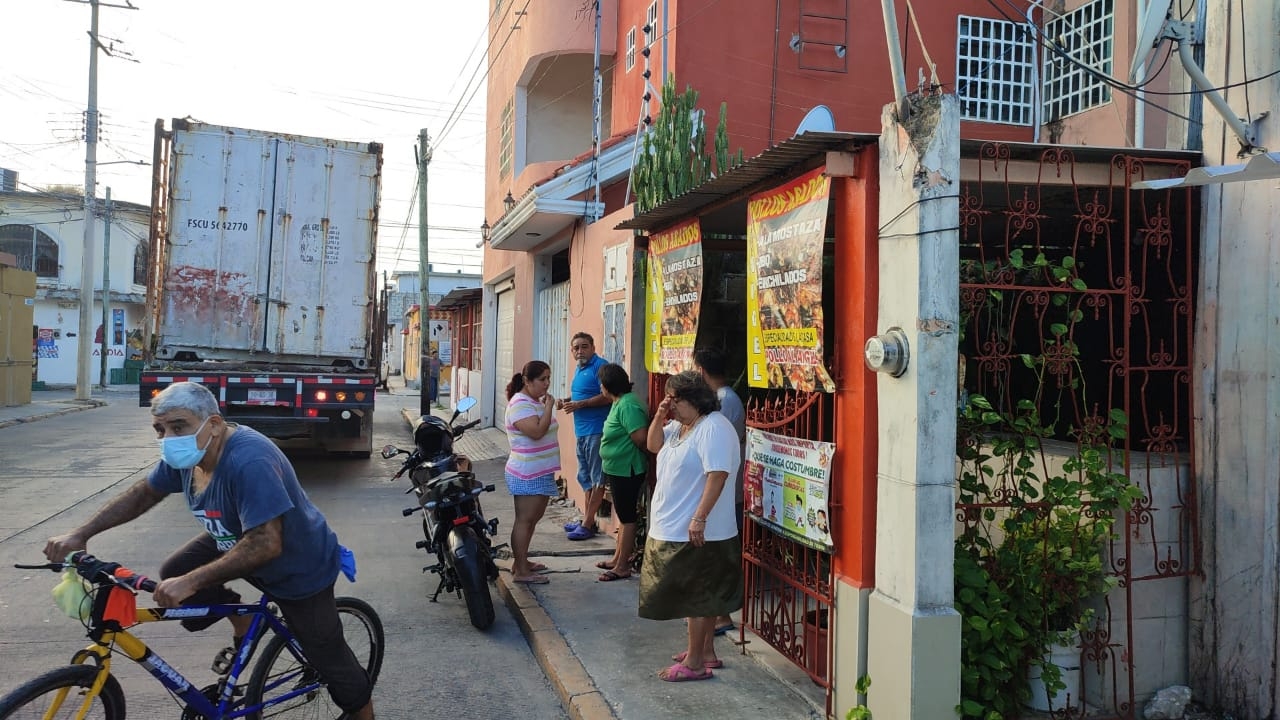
[(532, 579), (709, 664), (682, 673)]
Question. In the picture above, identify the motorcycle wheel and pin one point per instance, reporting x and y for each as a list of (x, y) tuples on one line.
[(469, 564)]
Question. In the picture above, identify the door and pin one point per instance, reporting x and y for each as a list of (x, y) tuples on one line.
[(552, 339), (503, 365)]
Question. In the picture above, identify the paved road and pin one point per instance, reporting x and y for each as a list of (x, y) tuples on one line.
[(56, 472)]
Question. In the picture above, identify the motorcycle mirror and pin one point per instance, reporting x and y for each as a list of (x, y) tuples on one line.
[(390, 451), (466, 403)]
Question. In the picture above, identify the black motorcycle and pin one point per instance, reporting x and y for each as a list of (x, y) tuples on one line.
[(453, 526)]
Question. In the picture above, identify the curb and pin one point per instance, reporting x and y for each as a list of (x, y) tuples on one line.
[(82, 405), (577, 691)]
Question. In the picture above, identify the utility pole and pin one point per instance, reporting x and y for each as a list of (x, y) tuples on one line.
[(85, 344), (106, 289), (424, 274), (84, 348)]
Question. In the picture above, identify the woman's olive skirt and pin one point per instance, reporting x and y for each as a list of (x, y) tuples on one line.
[(678, 580)]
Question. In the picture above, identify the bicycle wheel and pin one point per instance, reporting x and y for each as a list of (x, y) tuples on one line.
[(64, 688), (277, 671)]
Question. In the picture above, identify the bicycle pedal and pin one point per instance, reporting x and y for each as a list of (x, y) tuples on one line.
[(222, 662)]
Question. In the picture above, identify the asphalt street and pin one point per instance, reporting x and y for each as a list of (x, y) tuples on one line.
[(55, 473)]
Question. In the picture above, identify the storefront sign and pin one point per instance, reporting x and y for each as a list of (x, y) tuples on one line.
[(674, 296), (785, 231), (787, 486)]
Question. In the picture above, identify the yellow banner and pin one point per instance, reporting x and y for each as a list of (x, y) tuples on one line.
[(785, 231), (674, 298)]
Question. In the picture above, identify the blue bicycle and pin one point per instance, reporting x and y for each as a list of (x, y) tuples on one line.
[(282, 683)]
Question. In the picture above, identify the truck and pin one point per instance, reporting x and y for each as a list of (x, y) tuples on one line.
[(262, 283)]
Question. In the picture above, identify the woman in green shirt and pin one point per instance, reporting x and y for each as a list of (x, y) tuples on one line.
[(623, 461)]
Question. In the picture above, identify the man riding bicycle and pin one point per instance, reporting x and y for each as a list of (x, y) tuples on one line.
[(259, 526)]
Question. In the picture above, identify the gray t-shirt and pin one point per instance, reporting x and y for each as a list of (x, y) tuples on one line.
[(254, 484), (731, 408)]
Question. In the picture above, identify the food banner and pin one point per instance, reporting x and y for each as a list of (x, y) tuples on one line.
[(674, 298), (785, 231), (787, 485)]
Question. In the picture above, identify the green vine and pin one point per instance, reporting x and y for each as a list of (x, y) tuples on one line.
[(1030, 562), (673, 157)]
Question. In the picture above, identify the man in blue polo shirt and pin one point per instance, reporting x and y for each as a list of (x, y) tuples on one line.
[(589, 408)]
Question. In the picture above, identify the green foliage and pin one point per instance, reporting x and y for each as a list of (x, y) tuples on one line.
[(673, 157), (1031, 557), (860, 712)]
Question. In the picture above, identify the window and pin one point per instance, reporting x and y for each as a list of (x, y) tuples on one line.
[(507, 138), (140, 257), (34, 249), (1078, 55), (631, 49), (651, 20), (995, 71)]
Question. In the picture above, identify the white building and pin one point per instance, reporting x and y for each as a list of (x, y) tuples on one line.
[(45, 231)]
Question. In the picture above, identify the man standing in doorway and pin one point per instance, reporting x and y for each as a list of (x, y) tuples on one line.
[(433, 373), (714, 365), (589, 408)]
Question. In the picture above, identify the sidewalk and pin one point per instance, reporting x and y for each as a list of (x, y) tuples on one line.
[(51, 403), (599, 655)]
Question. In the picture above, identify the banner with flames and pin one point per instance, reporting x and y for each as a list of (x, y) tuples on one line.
[(674, 296), (785, 231)]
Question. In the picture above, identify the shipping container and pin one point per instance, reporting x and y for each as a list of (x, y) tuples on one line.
[(263, 282)]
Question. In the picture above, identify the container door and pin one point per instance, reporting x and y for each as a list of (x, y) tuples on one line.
[(319, 302)]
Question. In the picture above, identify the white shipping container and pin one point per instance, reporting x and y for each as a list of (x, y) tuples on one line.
[(268, 245)]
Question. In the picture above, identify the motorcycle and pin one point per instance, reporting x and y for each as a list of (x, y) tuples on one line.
[(454, 527)]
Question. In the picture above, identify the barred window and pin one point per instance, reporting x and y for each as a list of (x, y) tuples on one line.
[(631, 50), (1078, 56), (507, 138), (995, 71), (141, 254), (34, 249)]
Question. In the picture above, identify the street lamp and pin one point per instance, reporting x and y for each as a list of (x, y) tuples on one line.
[(509, 202)]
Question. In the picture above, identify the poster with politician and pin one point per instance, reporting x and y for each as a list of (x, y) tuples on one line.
[(674, 298), (785, 231)]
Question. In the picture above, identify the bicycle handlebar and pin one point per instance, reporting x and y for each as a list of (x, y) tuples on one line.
[(95, 570)]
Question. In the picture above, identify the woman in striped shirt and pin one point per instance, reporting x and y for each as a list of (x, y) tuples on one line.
[(533, 463)]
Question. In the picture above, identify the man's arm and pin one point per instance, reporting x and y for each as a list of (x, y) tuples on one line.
[(256, 548), (139, 498)]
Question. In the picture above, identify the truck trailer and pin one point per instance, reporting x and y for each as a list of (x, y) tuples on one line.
[(262, 283)]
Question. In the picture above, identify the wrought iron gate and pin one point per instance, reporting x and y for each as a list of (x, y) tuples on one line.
[(1136, 256)]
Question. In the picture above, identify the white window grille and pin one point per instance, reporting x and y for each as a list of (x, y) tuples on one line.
[(631, 49), (1078, 55), (651, 20), (995, 71)]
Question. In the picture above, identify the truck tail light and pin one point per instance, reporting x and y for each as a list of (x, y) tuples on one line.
[(340, 396), (360, 395), (322, 395), (312, 412)]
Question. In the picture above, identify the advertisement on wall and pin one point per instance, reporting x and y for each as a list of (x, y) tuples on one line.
[(785, 231), (788, 486), (674, 292)]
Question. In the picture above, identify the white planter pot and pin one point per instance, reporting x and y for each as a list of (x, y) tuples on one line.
[(1067, 658)]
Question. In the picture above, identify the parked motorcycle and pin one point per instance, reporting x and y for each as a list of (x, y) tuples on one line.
[(453, 525)]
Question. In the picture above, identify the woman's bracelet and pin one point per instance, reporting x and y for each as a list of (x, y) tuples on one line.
[(698, 519)]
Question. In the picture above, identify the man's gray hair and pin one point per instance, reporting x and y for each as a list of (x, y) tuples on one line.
[(190, 396)]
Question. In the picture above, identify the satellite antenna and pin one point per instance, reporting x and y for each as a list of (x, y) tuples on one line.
[(819, 119), (1157, 26)]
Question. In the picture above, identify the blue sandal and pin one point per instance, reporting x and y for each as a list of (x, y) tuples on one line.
[(581, 533)]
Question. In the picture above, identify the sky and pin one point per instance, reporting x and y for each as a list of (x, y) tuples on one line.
[(373, 70)]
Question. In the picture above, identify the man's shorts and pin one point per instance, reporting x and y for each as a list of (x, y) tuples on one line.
[(590, 474)]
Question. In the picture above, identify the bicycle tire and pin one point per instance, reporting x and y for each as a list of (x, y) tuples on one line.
[(28, 700), (364, 635), (474, 580)]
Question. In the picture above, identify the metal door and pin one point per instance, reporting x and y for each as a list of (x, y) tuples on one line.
[(504, 361), (552, 339)]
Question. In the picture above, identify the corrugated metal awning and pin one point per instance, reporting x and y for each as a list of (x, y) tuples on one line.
[(458, 297), (772, 163)]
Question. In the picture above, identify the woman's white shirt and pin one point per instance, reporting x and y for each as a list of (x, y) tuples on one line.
[(683, 463)]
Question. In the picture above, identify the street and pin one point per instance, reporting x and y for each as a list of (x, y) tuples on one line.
[(57, 472)]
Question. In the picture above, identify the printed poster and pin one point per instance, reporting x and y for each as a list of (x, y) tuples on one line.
[(788, 484), (46, 346), (785, 231), (674, 291)]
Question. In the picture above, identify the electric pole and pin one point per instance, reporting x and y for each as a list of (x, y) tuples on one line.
[(424, 273), (106, 289), (84, 346)]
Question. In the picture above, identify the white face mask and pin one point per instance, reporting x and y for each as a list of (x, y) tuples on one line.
[(183, 452)]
